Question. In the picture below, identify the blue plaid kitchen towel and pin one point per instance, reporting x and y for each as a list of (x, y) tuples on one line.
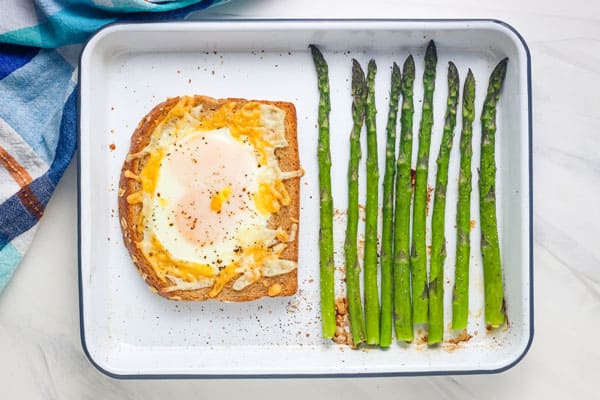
[(40, 42)]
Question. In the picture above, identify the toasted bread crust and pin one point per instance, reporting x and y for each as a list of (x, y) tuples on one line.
[(131, 216)]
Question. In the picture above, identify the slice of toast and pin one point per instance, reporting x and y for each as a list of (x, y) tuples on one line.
[(131, 214)]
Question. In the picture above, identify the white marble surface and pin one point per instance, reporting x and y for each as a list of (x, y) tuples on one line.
[(40, 350)]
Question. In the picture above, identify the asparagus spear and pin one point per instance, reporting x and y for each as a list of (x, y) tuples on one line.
[(385, 338), (460, 294), (370, 256), (357, 324), (326, 209), (438, 238), (418, 259), (490, 248), (402, 304)]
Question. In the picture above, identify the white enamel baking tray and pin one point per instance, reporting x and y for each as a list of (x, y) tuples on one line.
[(127, 331)]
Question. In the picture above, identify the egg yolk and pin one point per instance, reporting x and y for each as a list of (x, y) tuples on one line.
[(216, 203)]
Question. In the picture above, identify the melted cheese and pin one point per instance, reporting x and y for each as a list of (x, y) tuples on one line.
[(245, 124), (164, 264), (270, 197), (226, 275), (149, 175)]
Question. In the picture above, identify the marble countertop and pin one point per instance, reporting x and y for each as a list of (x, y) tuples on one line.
[(42, 357)]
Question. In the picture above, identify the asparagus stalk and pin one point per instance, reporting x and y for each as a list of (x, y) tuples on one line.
[(438, 238), (490, 248), (387, 238), (370, 256), (357, 324), (402, 305), (460, 294), (326, 209), (418, 258)]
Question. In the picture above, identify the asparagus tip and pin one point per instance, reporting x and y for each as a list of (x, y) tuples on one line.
[(431, 54), (356, 68), (500, 69), (315, 51), (372, 65), (396, 71), (431, 49), (358, 79), (469, 88), (409, 65), (452, 70)]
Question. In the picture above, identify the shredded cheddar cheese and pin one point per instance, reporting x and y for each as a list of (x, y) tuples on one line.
[(244, 123), (163, 264), (226, 275), (149, 175), (270, 198), (250, 265)]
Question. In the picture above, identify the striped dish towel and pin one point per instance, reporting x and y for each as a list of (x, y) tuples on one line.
[(40, 42)]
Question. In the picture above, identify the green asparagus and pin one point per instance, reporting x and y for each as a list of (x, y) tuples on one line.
[(418, 260), (387, 237), (326, 210), (460, 294), (402, 304), (370, 256), (438, 237), (490, 248), (359, 92)]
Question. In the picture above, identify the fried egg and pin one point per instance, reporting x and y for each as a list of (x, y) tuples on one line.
[(210, 184)]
